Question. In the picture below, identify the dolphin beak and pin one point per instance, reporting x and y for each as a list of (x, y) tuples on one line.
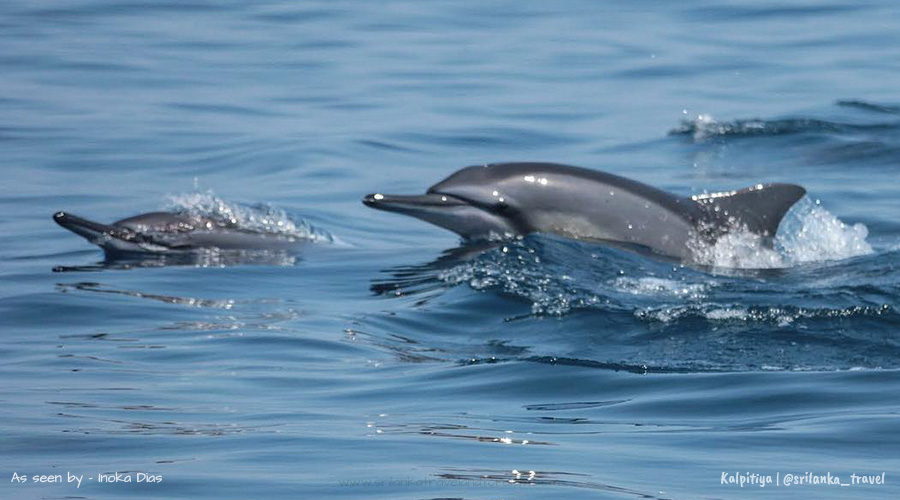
[(85, 228), (453, 213), (411, 203)]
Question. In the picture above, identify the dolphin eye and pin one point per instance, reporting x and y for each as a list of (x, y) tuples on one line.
[(501, 206)]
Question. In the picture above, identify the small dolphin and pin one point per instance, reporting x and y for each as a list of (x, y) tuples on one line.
[(509, 199), (164, 232)]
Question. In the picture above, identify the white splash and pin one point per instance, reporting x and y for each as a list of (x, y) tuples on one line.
[(779, 316), (704, 127), (660, 287), (261, 218), (808, 233)]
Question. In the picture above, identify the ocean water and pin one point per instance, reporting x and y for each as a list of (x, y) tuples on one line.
[(387, 360)]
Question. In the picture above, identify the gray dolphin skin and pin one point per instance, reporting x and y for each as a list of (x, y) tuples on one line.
[(507, 199), (163, 232)]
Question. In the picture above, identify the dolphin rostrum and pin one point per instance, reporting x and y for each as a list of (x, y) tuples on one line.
[(508, 199), (163, 232)]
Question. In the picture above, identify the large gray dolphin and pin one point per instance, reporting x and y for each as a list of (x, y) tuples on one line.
[(158, 232), (506, 199)]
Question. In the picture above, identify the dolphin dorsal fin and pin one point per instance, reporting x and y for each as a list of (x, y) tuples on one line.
[(758, 208)]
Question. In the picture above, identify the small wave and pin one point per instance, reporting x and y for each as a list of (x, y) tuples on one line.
[(516, 269), (870, 106), (809, 233), (538, 269), (527, 269), (780, 316), (705, 127), (260, 218)]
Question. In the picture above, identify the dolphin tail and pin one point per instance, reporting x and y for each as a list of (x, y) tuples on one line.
[(759, 208), (87, 229)]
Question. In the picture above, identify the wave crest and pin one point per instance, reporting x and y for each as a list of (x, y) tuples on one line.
[(705, 127)]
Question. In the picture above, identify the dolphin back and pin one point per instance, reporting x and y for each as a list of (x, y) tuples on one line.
[(759, 209), (162, 221)]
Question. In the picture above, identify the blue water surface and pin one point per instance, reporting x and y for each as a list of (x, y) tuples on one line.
[(385, 361)]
